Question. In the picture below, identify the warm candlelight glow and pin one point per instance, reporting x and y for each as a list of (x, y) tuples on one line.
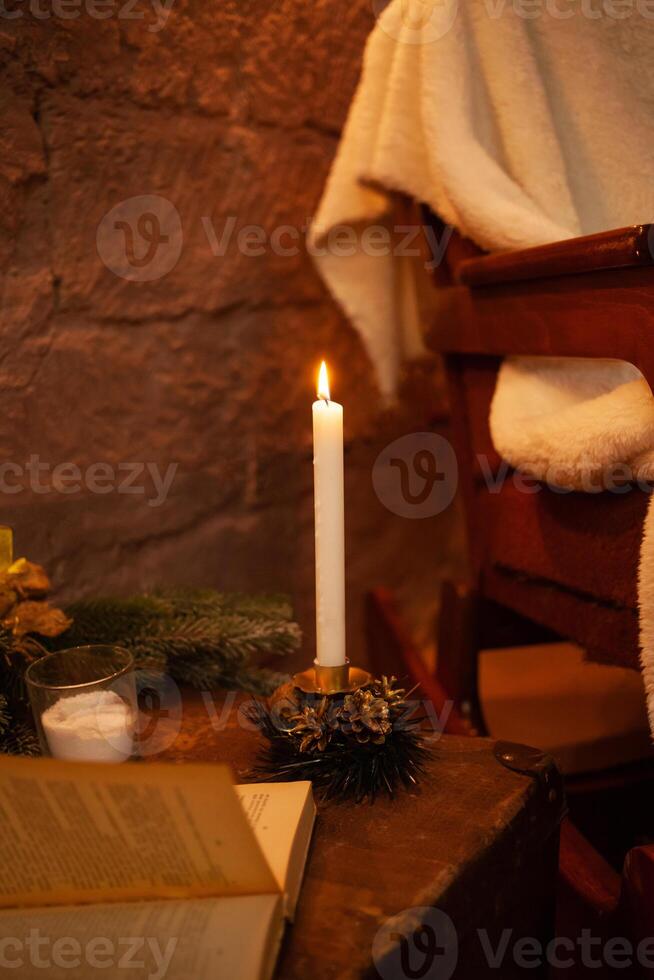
[(323, 383)]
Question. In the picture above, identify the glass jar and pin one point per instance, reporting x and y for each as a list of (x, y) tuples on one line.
[(84, 703)]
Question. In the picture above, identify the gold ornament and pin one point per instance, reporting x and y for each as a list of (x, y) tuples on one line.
[(23, 609)]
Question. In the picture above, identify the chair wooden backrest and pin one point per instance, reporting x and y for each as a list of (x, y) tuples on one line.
[(545, 564), (567, 562)]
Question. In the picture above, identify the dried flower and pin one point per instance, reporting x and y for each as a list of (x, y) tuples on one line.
[(26, 578), (37, 617), (22, 610)]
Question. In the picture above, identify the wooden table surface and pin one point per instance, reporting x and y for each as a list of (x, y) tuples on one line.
[(447, 844)]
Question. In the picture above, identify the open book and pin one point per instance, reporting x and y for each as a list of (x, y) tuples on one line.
[(146, 871)]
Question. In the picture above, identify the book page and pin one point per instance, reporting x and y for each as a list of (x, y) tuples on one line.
[(74, 832), (281, 816), (202, 939)]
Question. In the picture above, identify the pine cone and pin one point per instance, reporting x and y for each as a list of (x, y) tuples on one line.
[(313, 727), (385, 689), (366, 716)]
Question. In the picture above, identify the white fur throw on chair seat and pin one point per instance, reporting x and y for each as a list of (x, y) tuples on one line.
[(587, 425)]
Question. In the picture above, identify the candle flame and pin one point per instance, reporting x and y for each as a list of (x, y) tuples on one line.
[(323, 383)]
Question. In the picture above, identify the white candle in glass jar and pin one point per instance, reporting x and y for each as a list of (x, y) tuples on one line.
[(329, 507), (97, 726)]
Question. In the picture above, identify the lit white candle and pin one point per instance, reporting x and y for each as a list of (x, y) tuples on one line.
[(330, 526)]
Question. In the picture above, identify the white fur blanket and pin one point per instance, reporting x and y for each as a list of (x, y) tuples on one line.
[(519, 124)]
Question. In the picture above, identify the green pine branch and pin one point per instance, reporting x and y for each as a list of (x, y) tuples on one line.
[(202, 638), (198, 637)]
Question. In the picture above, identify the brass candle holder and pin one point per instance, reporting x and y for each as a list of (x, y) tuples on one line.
[(321, 679), (349, 733)]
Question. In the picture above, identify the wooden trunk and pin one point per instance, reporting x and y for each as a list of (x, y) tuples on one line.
[(478, 842)]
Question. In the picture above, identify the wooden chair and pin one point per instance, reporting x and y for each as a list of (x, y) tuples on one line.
[(544, 566)]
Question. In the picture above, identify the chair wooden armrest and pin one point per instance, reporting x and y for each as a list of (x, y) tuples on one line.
[(585, 297), (620, 249)]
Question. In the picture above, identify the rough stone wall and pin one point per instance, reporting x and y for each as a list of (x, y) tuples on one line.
[(231, 109)]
